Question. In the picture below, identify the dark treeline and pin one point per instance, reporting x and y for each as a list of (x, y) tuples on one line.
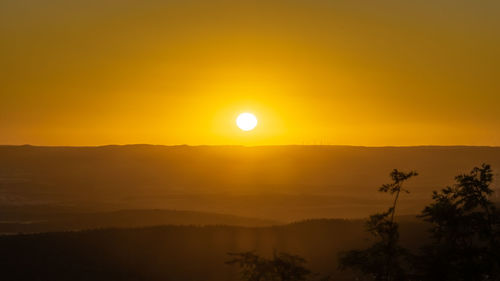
[(179, 252)]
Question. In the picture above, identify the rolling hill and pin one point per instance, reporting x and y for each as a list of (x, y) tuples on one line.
[(283, 183), (33, 219)]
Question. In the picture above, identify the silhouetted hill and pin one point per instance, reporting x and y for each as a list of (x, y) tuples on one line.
[(28, 219), (271, 182), (178, 252)]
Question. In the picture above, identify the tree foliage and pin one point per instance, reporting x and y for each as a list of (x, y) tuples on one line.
[(465, 230), (385, 260), (464, 235)]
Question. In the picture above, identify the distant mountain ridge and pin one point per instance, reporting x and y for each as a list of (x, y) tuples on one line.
[(284, 183)]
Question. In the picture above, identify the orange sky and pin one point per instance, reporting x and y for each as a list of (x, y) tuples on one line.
[(89, 72)]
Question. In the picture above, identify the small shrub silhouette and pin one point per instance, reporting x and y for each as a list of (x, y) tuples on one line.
[(282, 267)]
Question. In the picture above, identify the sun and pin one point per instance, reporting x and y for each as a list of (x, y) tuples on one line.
[(246, 121)]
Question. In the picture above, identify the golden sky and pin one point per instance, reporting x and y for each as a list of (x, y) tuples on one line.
[(389, 72)]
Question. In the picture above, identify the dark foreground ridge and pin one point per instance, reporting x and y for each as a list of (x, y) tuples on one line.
[(178, 252)]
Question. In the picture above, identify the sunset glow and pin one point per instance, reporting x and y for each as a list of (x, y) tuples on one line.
[(317, 72)]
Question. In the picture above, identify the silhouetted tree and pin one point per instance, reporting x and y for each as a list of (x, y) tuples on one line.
[(282, 267), (384, 260), (465, 230)]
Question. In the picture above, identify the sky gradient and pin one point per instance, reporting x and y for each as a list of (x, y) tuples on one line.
[(375, 73)]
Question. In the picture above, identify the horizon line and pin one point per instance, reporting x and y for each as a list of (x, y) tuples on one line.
[(249, 146)]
